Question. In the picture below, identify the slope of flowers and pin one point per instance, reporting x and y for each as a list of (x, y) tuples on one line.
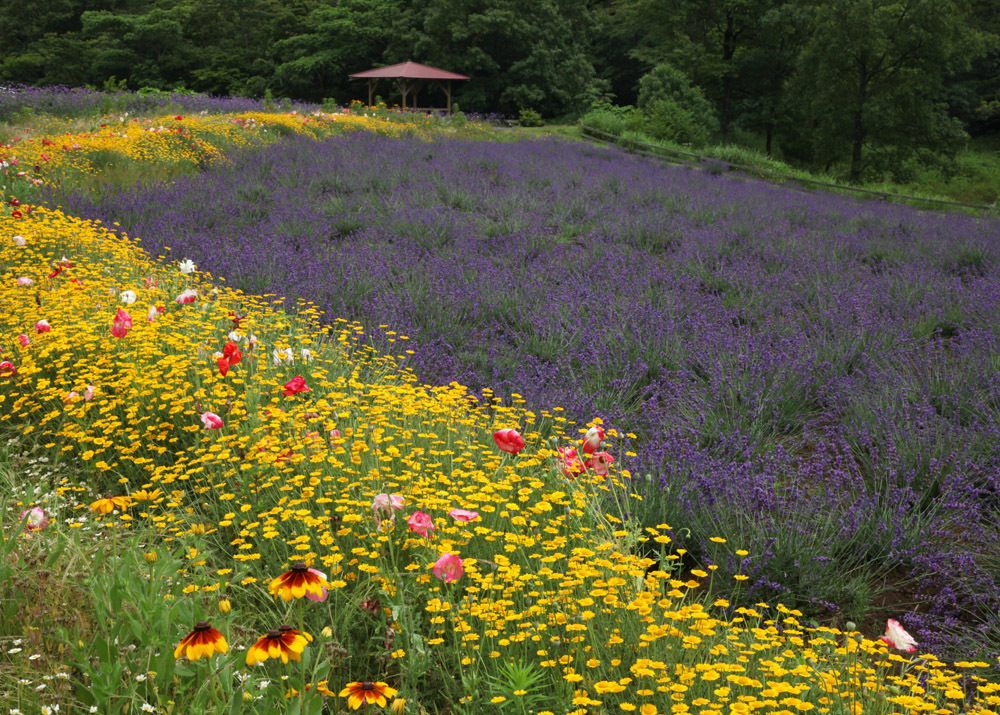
[(185, 142), (233, 440)]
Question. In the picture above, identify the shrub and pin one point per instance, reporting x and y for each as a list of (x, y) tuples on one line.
[(530, 118), (672, 108)]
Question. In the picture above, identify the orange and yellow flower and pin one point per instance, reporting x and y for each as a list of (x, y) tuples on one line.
[(108, 503), (300, 581), (202, 641), (367, 693), (283, 642)]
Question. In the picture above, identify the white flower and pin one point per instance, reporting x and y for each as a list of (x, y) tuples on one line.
[(127, 297), (14, 650), (140, 677), (897, 637), (93, 709), (307, 355), (234, 336), (262, 685), (152, 313), (147, 708), (20, 241), (186, 266), (283, 356)]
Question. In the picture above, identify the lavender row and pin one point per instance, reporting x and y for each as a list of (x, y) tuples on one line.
[(815, 378), (79, 102)]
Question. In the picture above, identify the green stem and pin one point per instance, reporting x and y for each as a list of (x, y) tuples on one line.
[(302, 632)]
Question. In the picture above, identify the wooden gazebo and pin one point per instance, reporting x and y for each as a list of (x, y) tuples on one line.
[(410, 79)]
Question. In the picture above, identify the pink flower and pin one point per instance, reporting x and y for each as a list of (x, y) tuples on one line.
[(121, 324), (7, 369), (88, 394), (295, 385), (187, 296), (42, 326), (509, 440), (420, 523), (569, 462), (20, 241), (334, 434), (448, 568), (152, 313), (385, 502), (600, 461), (25, 281), (35, 519), (70, 398), (592, 440), (23, 339), (897, 637), (211, 420), (463, 515), (324, 594)]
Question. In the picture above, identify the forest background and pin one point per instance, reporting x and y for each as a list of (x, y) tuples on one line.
[(866, 90)]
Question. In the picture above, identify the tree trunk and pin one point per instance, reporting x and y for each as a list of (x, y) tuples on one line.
[(859, 124), (728, 50)]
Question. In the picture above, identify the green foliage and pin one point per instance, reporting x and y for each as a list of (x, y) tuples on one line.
[(672, 108), (530, 118)]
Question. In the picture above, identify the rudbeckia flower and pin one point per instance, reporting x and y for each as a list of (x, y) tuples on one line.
[(108, 503), (897, 637), (509, 440), (202, 641), (367, 693), (285, 643), (300, 581)]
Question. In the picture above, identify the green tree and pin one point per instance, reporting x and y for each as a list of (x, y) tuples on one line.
[(871, 75), (673, 109), (519, 54)]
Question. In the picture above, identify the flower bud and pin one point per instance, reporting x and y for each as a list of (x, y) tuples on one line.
[(225, 606), (327, 632), (150, 556)]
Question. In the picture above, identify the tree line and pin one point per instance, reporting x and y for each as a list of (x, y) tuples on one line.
[(861, 83)]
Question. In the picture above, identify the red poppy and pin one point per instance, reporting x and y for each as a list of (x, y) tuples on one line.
[(295, 385)]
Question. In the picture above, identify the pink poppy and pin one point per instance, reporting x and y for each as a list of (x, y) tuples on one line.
[(600, 461), (42, 326), (420, 522), (187, 296), (7, 369), (23, 339), (20, 241), (334, 434), (70, 398), (509, 440), (88, 394), (388, 501), (35, 519), (25, 281), (592, 440), (296, 385), (448, 568), (897, 637), (121, 324), (211, 420), (463, 515), (569, 462)]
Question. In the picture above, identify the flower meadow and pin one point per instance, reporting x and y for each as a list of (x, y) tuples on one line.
[(811, 377), (229, 500)]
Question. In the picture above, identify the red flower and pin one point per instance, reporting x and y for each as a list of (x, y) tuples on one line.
[(232, 353), (15, 214), (295, 385), (7, 369), (121, 324), (509, 440)]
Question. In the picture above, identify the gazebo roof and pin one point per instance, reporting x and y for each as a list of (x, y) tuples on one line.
[(408, 70)]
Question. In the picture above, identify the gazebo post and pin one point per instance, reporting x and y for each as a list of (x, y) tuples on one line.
[(371, 89)]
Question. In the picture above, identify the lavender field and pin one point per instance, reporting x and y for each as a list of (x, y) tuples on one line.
[(813, 378)]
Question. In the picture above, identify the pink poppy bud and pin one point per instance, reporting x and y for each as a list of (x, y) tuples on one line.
[(463, 515), (509, 440), (897, 637), (25, 281), (592, 440), (42, 326), (448, 568), (23, 339), (211, 420), (88, 394), (152, 313), (35, 519), (420, 522), (335, 434)]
